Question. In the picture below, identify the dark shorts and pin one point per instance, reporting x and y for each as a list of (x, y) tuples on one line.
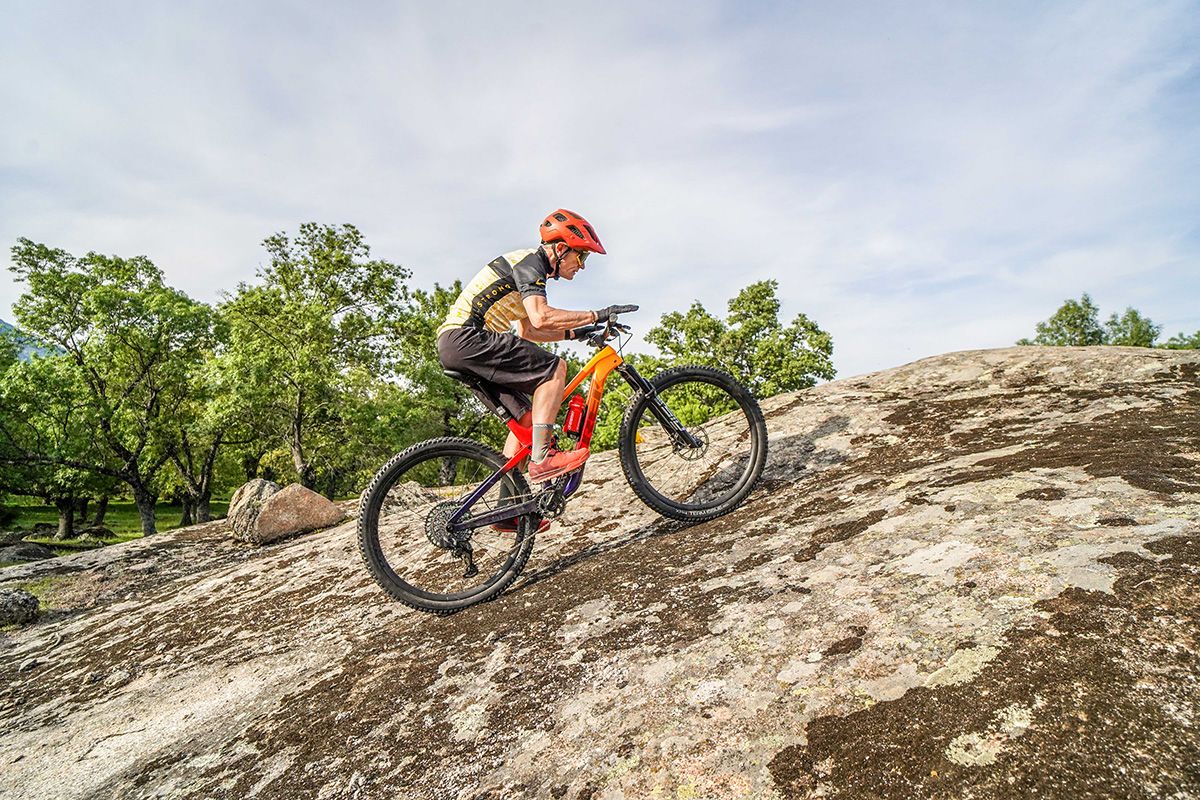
[(516, 365)]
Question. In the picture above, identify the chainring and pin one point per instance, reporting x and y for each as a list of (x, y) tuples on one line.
[(551, 503)]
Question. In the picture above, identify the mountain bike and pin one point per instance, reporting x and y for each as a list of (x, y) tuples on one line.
[(450, 522)]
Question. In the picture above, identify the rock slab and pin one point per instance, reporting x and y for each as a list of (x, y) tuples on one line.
[(293, 509), (971, 576), (17, 607)]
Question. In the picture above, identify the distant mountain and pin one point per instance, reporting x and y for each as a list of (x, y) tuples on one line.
[(29, 347)]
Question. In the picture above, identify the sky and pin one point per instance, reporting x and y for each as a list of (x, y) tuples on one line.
[(919, 178)]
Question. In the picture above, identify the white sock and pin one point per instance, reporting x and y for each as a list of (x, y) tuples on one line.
[(542, 436)]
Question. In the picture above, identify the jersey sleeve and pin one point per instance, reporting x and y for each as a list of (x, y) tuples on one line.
[(530, 276)]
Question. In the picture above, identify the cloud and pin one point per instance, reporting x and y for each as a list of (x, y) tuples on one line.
[(917, 179)]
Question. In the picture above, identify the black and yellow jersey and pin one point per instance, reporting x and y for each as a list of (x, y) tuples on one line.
[(492, 299)]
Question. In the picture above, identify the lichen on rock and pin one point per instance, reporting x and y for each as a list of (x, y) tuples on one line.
[(970, 575)]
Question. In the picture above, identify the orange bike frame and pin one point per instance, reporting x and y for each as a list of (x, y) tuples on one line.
[(601, 366)]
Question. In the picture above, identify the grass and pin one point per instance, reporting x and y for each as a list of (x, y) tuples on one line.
[(41, 589), (121, 518)]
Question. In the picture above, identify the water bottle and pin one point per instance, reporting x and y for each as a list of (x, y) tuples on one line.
[(573, 424)]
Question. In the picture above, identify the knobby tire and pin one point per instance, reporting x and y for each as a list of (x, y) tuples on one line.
[(392, 475), (744, 476)]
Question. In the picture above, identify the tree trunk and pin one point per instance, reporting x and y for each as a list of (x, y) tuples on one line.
[(145, 506), (66, 517), (188, 517), (446, 471), (101, 510), (304, 470), (203, 511), (81, 507)]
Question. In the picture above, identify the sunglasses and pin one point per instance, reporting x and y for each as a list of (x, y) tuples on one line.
[(583, 254)]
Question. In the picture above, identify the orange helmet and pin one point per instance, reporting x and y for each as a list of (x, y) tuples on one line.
[(572, 229)]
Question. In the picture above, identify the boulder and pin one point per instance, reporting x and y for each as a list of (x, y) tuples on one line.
[(17, 607), (246, 503), (12, 537), (25, 551), (293, 509), (95, 532)]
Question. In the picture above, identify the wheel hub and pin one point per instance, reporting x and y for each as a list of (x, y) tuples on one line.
[(693, 453)]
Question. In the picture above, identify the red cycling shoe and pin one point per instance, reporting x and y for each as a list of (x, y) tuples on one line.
[(557, 463), (510, 526)]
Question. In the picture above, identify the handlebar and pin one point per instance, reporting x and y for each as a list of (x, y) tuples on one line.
[(611, 330)]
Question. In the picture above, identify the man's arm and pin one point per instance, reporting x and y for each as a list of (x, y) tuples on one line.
[(550, 320), (526, 330)]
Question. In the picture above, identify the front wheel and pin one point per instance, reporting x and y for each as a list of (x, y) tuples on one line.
[(695, 447)]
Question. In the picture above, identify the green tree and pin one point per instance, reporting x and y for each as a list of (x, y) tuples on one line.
[(1075, 323), (215, 416), (323, 310), (752, 343), (134, 345), (1181, 342), (47, 427), (1131, 329)]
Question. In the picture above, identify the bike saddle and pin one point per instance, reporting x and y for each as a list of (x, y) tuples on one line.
[(485, 391)]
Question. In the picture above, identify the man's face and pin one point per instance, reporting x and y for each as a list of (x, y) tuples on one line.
[(571, 263)]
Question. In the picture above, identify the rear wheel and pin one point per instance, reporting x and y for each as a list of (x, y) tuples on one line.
[(407, 539), (694, 448)]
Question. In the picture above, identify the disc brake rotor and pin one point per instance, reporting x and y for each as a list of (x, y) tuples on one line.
[(693, 453)]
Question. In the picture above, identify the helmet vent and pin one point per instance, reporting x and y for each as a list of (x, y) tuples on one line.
[(576, 231), (560, 217)]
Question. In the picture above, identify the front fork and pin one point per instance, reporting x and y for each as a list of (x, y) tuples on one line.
[(680, 435)]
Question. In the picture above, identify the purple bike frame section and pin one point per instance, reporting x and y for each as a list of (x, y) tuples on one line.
[(475, 495), (573, 482)]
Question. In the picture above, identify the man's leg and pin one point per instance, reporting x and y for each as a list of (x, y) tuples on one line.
[(546, 399), (513, 444)]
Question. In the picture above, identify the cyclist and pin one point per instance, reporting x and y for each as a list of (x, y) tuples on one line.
[(511, 290)]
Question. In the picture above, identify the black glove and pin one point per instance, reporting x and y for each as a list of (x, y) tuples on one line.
[(604, 314), (582, 332)]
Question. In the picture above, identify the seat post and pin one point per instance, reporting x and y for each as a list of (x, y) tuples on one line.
[(485, 391)]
